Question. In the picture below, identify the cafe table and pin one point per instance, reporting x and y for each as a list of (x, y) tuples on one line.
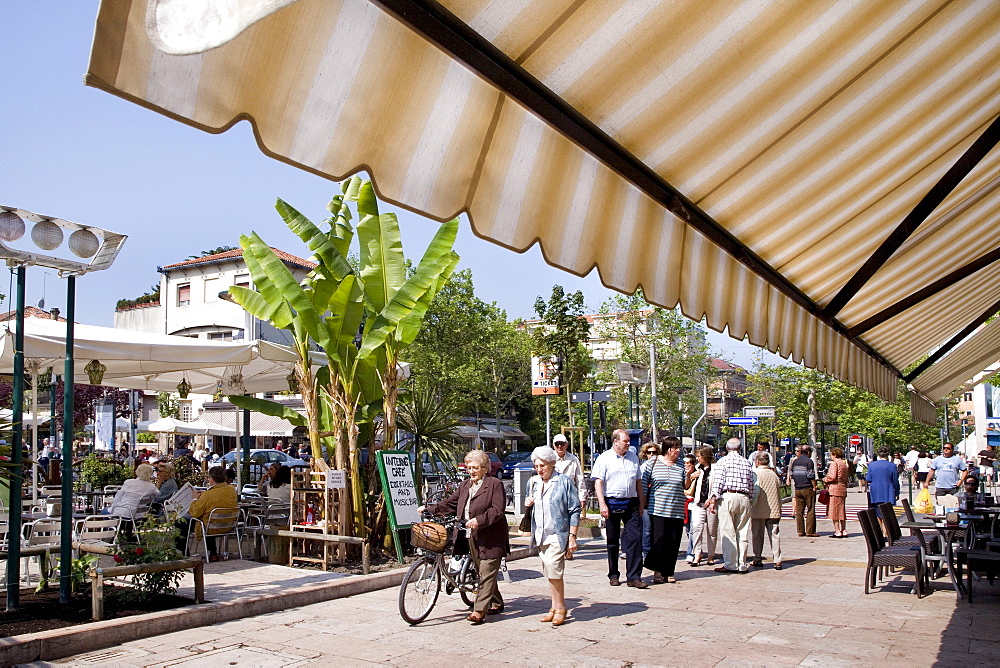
[(948, 533)]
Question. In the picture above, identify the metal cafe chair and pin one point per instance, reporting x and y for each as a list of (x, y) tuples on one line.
[(99, 529), (881, 555), (220, 523)]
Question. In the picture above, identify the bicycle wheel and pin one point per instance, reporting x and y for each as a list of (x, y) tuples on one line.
[(419, 590), (468, 579)]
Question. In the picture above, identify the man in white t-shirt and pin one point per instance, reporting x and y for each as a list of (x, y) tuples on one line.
[(911, 458)]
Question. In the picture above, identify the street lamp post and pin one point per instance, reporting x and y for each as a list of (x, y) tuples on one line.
[(102, 247), (680, 390)]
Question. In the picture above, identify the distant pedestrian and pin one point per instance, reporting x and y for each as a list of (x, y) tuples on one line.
[(704, 524), (883, 481), (764, 446), (689, 467), (949, 470), (732, 486), (617, 487), (836, 480), (645, 452), (569, 465), (923, 468), (663, 479), (861, 462), (802, 477), (987, 460), (765, 511)]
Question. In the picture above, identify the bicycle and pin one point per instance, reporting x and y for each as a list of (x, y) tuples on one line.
[(419, 590)]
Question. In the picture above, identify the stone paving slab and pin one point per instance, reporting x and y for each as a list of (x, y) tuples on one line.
[(812, 613)]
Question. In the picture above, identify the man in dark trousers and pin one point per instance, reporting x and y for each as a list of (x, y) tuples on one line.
[(617, 486), (802, 476)]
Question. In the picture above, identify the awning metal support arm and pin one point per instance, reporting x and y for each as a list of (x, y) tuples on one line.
[(924, 293), (955, 340), (983, 145)]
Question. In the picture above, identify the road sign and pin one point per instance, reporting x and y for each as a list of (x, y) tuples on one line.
[(742, 421), (578, 397), (545, 375), (758, 411), (855, 440)]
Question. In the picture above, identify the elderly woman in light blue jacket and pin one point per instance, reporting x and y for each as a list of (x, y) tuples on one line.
[(555, 521)]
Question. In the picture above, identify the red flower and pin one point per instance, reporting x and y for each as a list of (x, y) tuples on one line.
[(139, 551), (118, 559)]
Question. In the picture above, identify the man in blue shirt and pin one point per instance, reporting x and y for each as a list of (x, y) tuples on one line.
[(617, 485), (946, 469), (883, 480)]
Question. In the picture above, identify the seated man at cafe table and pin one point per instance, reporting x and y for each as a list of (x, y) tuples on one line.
[(221, 494)]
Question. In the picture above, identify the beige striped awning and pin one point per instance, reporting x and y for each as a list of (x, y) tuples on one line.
[(818, 177)]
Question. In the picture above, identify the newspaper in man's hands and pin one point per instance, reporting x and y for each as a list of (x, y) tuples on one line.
[(180, 502)]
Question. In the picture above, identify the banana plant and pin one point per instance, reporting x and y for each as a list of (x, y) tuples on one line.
[(361, 319), (396, 302)]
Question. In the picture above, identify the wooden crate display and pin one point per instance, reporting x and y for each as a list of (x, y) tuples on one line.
[(314, 511)]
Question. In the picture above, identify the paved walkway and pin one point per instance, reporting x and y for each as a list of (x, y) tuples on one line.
[(813, 612)]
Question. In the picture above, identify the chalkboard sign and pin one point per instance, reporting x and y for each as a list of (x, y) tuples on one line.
[(399, 489)]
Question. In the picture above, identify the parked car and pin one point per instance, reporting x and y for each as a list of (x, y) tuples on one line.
[(261, 459), (495, 464), (511, 461)]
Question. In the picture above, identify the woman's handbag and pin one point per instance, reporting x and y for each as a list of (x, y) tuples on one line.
[(525, 526), (824, 496)]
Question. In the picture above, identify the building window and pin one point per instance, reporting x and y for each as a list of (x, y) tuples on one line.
[(184, 294), (211, 290), (242, 281), (220, 336), (968, 396)]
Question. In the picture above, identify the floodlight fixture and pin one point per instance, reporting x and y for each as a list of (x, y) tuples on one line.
[(48, 234)]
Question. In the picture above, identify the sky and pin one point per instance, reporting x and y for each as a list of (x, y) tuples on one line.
[(80, 154)]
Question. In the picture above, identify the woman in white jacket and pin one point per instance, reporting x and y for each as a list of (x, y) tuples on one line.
[(704, 524)]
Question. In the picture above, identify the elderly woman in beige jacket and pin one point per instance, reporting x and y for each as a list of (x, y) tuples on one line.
[(765, 510)]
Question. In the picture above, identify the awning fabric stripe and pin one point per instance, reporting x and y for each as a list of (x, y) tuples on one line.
[(807, 131)]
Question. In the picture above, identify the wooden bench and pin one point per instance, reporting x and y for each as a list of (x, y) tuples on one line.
[(329, 538), (97, 576)]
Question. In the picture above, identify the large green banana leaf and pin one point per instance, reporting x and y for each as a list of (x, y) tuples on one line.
[(383, 265), (287, 287), (409, 326), (319, 242), (268, 407), (401, 305), (263, 283), (254, 303)]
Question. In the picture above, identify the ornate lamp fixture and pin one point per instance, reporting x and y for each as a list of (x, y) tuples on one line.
[(183, 387), (95, 371)]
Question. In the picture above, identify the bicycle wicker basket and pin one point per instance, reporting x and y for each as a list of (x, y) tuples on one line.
[(429, 536)]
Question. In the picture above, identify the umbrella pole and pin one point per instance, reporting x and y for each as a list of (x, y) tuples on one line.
[(34, 435), (239, 456)]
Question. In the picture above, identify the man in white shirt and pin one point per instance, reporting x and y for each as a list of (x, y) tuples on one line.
[(569, 465), (617, 487)]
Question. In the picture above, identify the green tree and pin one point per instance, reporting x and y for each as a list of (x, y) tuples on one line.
[(681, 354), (564, 332), (855, 411)]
